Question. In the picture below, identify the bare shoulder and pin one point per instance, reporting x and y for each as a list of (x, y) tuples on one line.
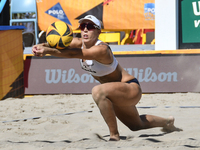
[(103, 47), (97, 52), (105, 52)]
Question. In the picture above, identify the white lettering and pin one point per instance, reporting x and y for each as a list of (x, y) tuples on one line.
[(170, 75), (64, 80), (196, 12), (56, 12), (148, 75), (196, 23), (140, 75), (53, 76), (153, 77), (76, 78), (71, 77), (150, 10), (162, 77), (71, 73), (85, 78), (135, 72), (148, 72), (143, 75)]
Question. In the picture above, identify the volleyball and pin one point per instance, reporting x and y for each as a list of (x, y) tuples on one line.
[(59, 35)]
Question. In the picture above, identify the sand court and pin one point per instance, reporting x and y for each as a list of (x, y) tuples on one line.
[(74, 122)]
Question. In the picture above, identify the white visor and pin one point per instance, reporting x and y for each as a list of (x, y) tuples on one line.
[(93, 19)]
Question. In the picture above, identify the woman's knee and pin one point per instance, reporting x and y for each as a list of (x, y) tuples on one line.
[(98, 93), (136, 127)]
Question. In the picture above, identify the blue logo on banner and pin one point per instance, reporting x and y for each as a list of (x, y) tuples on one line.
[(149, 11), (57, 12)]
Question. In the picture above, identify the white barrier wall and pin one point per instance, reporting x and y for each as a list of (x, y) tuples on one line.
[(166, 24)]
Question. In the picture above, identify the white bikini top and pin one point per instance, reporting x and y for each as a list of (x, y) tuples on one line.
[(98, 69)]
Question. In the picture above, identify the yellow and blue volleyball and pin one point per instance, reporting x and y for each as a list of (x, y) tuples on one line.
[(59, 35)]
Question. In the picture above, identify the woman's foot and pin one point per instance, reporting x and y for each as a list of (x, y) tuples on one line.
[(169, 127), (114, 138)]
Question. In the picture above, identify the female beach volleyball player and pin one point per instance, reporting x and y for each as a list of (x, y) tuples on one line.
[(119, 91)]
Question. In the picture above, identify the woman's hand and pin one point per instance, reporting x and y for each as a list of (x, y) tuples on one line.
[(40, 50)]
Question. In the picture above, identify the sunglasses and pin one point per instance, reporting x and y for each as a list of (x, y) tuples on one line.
[(89, 26)]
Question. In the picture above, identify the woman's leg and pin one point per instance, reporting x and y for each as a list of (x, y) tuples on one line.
[(119, 99), (108, 95), (130, 117)]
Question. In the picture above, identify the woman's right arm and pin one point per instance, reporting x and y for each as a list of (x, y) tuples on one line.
[(43, 49), (98, 52)]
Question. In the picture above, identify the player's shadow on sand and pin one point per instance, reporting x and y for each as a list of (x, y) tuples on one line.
[(48, 141), (121, 137), (190, 146), (152, 135), (65, 141)]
